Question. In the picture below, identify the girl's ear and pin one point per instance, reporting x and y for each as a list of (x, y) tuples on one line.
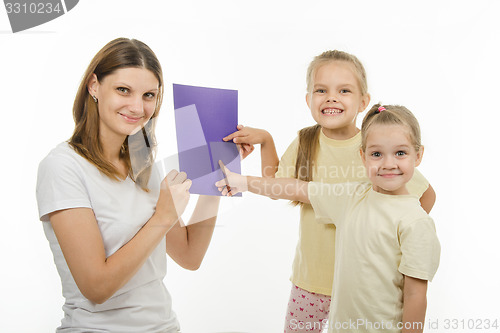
[(365, 101), (92, 85), (419, 156), (308, 100), (363, 157)]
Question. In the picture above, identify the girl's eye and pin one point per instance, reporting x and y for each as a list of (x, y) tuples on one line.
[(122, 89), (345, 91), (401, 153), (321, 91), (376, 154)]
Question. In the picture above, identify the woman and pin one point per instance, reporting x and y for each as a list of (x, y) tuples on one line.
[(108, 220)]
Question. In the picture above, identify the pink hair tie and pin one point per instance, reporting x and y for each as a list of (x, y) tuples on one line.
[(380, 109)]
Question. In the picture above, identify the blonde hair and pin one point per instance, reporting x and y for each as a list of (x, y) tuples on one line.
[(336, 55), (392, 115), (117, 54), (309, 136)]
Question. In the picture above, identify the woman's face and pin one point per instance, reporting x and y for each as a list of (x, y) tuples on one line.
[(126, 101)]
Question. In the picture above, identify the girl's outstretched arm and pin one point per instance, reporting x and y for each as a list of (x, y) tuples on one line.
[(246, 137), (276, 188), (279, 188), (414, 304)]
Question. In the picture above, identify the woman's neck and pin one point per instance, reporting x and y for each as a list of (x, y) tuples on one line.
[(111, 148)]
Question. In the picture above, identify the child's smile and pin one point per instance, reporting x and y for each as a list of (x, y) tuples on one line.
[(332, 111)]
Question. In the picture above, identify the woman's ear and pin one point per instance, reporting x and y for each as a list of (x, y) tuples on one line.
[(93, 85), (420, 154)]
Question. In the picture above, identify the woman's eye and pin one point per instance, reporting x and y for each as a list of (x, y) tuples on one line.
[(149, 95), (122, 89)]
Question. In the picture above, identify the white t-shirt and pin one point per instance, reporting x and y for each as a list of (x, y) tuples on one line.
[(380, 238), (67, 180)]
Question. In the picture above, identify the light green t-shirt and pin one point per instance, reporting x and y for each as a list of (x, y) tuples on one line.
[(379, 239), (338, 161)]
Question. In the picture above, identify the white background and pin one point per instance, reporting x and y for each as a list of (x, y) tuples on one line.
[(438, 58)]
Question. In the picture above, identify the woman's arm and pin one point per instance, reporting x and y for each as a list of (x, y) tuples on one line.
[(188, 245), (414, 304), (428, 199), (79, 237)]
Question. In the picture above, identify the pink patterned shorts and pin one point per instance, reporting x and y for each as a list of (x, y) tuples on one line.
[(307, 311)]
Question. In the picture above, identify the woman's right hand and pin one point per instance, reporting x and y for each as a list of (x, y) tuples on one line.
[(174, 196)]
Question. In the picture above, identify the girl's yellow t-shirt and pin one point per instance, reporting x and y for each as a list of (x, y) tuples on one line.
[(338, 161)]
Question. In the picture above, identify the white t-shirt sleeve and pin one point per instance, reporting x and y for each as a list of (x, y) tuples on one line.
[(420, 249), (60, 185)]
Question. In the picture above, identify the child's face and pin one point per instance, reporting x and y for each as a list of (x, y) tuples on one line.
[(390, 158), (336, 99)]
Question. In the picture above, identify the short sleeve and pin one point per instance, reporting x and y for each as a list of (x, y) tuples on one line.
[(330, 202), (418, 184), (286, 167), (60, 185), (420, 249)]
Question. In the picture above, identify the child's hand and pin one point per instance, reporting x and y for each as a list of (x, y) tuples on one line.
[(245, 149), (246, 138), (232, 182)]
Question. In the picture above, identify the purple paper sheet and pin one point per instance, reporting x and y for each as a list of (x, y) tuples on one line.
[(203, 116)]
